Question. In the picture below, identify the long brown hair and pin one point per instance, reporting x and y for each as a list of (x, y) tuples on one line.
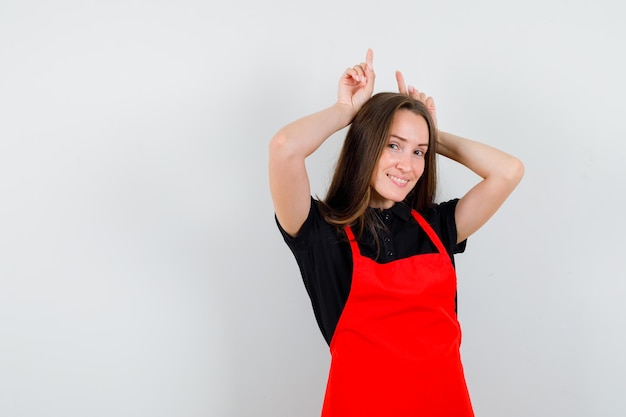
[(349, 194)]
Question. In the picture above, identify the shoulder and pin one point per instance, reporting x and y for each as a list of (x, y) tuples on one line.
[(441, 210), (441, 218)]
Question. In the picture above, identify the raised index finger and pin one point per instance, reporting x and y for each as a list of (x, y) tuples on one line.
[(401, 85), (369, 59)]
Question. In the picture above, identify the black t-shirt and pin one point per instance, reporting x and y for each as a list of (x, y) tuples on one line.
[(325, 260)]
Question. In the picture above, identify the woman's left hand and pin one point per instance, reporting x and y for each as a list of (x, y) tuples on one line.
[(500, 171), (411, 91)]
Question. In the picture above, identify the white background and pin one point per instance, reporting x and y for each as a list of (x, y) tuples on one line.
[(142, 274)]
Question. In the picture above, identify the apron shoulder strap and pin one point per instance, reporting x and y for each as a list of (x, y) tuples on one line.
[(353, 244), (429, 231)]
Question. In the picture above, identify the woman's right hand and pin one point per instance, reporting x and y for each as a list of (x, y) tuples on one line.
[(291, 145), (357, 83)]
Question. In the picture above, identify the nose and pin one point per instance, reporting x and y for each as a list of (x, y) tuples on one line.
[(404, 162)]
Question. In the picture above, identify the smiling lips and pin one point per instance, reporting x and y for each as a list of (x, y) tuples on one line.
[(399, 181)]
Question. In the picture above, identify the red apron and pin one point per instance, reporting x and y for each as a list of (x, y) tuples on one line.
[(395, 351)]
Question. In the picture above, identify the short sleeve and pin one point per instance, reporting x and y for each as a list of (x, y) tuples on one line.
[(302, 239)]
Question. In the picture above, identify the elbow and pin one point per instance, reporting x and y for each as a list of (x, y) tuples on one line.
[(515, 171), (277, 143), (281, 145)]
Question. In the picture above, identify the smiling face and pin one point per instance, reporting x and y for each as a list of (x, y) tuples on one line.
[(401, 163)]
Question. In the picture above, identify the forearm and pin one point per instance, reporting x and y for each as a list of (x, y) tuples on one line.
[(500, 171), (484, 160), (304, 136)]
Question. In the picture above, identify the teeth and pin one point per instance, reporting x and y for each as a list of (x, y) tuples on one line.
[(400, 180)]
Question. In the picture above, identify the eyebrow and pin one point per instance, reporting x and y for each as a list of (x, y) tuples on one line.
[(405, 140)]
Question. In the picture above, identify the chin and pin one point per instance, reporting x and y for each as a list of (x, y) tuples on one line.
[(400, 199)]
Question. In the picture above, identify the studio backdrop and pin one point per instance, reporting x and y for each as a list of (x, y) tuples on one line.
[(141, 269)]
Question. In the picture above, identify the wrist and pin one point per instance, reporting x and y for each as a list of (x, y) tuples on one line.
[(443, 143), (344, 112)]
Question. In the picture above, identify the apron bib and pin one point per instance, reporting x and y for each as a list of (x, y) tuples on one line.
[(395, 350)]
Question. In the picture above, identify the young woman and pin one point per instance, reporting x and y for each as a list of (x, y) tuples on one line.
[(376, 255)]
